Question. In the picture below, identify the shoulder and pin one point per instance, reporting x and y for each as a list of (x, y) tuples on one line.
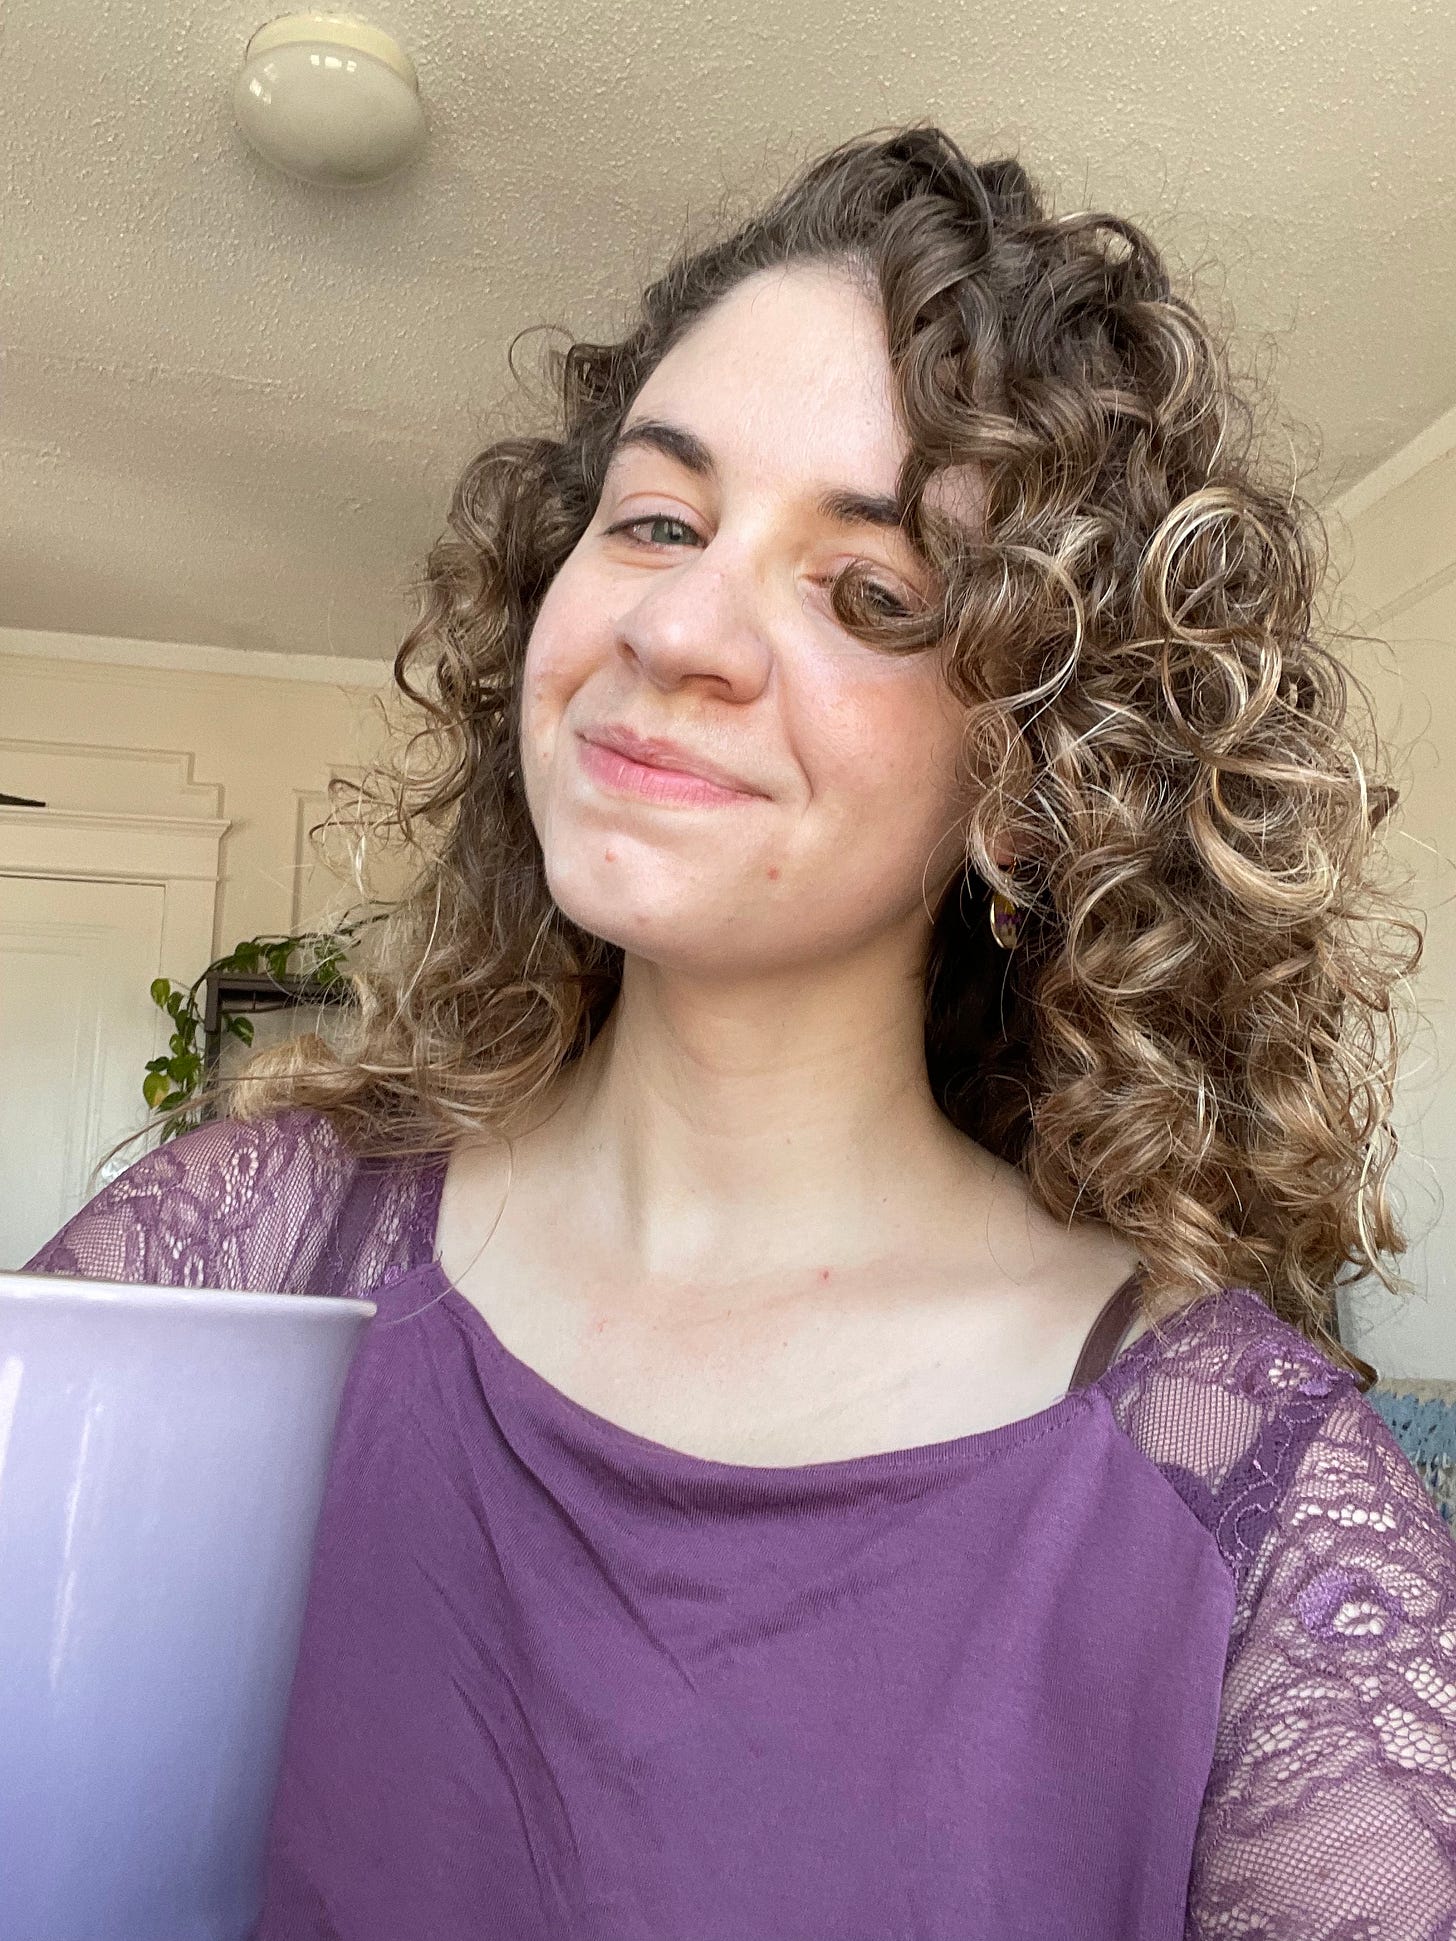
[(1336, 1709), (223, 1205), (233, 1166), (1229, 1343), (1230, 1402)]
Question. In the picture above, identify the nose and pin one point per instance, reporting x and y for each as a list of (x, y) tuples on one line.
[(700, 620)]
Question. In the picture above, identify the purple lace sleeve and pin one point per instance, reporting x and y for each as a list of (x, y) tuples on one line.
[(270, 1205), (1330, 1813)]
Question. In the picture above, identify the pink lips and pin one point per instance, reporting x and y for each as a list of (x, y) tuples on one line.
[(625, 777), (656, 771)]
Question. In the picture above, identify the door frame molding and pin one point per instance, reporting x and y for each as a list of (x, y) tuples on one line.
[(181, 853)]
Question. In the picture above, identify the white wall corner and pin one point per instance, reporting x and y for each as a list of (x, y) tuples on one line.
[(1426, 448), (1393, 536)]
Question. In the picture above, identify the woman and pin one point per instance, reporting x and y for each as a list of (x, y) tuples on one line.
[(853, 1137)]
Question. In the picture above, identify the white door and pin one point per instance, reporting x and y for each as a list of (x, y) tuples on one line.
[(77, 1026)]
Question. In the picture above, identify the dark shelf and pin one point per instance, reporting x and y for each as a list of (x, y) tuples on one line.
[(253, 991)]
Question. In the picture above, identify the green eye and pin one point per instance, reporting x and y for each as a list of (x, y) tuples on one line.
[(632, 526)]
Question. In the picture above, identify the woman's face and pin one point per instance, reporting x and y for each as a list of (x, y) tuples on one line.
[(696, 610)]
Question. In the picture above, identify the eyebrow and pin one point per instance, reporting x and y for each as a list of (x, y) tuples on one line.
[(839, 504)]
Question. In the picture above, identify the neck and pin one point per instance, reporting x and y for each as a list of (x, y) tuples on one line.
[(713, 1131)]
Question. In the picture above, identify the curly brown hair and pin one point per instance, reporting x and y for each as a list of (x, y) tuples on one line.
[(1193, 1041)]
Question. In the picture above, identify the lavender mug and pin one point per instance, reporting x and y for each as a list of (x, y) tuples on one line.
[(163, 1453)]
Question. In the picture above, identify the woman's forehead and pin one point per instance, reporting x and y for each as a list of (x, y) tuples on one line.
[(803, 342), (791, 368)]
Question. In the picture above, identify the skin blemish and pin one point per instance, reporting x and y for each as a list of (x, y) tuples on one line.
[(611, 855), (823, 1273), (773, 875)]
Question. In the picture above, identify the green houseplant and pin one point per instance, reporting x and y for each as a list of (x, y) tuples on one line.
[(313, 956)]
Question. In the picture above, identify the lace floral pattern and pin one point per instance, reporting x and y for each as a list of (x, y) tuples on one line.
[(259, 1207), (1330, 1811)]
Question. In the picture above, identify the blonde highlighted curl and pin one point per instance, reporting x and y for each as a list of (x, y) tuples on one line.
[(1193, 1040)]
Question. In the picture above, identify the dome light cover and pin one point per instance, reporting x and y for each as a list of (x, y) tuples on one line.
[(327, 99)]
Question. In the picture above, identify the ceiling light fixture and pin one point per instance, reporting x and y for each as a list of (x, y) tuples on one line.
[(327, 99)]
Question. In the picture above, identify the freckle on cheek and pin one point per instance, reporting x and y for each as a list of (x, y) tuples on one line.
[(773, 875)]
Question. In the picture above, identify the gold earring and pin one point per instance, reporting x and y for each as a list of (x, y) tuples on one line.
[(1005, 920)]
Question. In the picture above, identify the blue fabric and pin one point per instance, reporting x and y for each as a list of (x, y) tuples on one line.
[(1426, 1432)]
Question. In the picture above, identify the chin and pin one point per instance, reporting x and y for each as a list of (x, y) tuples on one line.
[(606, 895), (669, 928)]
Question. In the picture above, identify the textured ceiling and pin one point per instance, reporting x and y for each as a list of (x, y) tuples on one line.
[(233, 405)]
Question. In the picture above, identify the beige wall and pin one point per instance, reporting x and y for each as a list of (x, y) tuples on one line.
[(1394, 549), (89, 724)]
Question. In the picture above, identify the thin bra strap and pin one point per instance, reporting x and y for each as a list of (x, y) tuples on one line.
[(358, 1213), (352, 1218), (1107, 1331)]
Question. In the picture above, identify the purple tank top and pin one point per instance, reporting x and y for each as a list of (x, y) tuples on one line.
[(1101, 1672)]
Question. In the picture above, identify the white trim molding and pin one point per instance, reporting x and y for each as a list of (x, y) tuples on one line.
[(121, 848), (1400, 529), (182, 853), (1424, 449), (183, 657), (145, 781)]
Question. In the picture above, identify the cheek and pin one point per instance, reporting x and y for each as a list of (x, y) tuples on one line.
[(885, 774), (560, 653), (886, 750)]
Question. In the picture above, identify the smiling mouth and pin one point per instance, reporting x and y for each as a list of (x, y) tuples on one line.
[(622, 776)]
